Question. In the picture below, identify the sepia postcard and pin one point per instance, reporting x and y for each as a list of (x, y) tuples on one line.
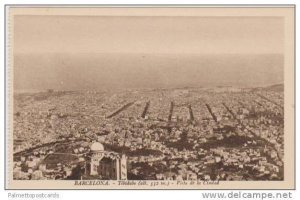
[(150, 97)]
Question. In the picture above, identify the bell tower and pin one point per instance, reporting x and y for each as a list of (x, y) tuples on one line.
[(123, 167)]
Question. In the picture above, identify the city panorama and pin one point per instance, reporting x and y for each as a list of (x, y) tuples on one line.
[(218, 133)]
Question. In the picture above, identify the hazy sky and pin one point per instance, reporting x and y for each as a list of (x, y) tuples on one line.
[(204, 35), (82, 52)]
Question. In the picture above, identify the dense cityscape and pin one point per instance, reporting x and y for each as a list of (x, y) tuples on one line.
[(219, 133)]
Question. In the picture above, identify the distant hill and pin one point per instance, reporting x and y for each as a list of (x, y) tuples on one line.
[(274, 88), (277, 87)]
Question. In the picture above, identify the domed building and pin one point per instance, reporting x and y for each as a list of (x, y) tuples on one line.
[(97, 147), (107, 165)]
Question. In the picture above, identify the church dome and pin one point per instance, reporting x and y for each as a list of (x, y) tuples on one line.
[(97, 146)]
